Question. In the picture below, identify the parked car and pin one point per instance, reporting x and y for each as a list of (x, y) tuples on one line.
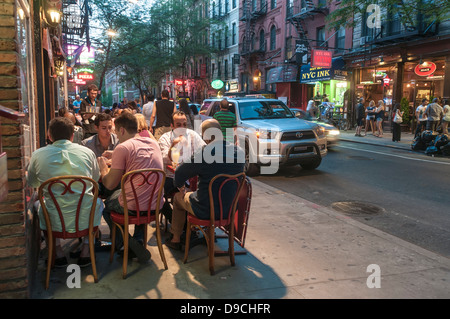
[(270, 133), (332, 132)]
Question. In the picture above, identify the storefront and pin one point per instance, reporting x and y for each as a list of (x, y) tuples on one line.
[(423, 79), (321, 83)]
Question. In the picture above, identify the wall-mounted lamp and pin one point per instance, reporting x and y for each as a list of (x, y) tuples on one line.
[(55, 16), (52, 12)]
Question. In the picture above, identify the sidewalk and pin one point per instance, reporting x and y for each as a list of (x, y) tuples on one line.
[(405, 140), (295, 250)]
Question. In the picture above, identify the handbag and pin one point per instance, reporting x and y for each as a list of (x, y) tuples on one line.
[(398, 119)]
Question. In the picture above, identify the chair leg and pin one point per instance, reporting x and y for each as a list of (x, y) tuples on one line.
[(231, 245), (211, 249), (92, 253), (113, 242), (159, 242), (51, 245), (188, 240), (125, 251)]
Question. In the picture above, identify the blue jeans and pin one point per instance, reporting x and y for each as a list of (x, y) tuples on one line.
[(112, 205)]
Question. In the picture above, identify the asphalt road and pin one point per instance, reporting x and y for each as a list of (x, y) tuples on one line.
[(402, 193)]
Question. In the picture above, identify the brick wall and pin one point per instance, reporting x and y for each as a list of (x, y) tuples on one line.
[(14, 272)]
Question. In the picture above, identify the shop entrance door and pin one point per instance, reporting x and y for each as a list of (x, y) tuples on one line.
[(424, 89)]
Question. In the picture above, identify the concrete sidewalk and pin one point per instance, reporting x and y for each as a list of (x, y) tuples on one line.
[(405, 140), (295, 250)]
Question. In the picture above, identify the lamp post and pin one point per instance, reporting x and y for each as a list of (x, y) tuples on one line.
[(111, 34)]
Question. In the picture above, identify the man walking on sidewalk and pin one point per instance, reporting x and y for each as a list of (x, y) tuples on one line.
[(360, 112), (434, 113)]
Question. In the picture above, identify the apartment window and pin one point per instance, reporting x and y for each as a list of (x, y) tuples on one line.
[(233, 35), (320, 36), (289, 51), (273, 4), (262, 40), (226, 37), (227, 5), (393, 23), (340, 39), (226, 69), (220, 7), (213, 9), (234, 4), (253, 5), (233, 71), (322, 3), (219, 40), (273, 38), (219, 69)]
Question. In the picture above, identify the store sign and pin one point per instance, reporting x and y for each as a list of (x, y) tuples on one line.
[(180, 82), (309, 74), (217, 84), (321, 59), (425, 69), (85, 76)]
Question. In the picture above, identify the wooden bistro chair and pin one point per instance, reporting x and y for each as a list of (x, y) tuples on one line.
[(138, 178), (211, 223), (57, 194)]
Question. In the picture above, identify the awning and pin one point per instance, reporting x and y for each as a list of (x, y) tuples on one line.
[(285, 73), (336, 72)]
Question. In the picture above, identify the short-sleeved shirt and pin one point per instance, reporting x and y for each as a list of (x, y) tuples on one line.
[(76, 106), (66, 158), (421, 110), (227, 119), (94, 144), (137, 153), (147, 110), (194, 142)]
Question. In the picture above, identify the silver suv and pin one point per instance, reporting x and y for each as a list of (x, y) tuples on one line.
[(271, 134)]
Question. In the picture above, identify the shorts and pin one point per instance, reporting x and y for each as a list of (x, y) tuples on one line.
[(379, 119), (359, 121), (370, 117)]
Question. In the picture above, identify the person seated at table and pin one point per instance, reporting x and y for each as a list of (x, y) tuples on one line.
[(63, 157), (143, 127), (78, 133), (133, 152), (217, 157), (186, 142)]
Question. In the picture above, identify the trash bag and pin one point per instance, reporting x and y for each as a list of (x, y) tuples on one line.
[(418, 145), (431, 150), (429, 136), (446, 149), (441, 140)]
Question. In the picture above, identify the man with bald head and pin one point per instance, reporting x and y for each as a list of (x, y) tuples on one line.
[(216, 157)]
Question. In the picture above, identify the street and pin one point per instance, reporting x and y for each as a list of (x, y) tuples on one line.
[(403, 193)]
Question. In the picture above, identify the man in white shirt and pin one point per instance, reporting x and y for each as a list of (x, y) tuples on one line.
[(421, 117), (186, 142), (147, 110)]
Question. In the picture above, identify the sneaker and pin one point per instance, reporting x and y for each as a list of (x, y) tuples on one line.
[(141, 252), (172, 245)]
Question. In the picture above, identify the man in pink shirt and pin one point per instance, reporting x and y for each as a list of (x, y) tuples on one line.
[(133, 152)]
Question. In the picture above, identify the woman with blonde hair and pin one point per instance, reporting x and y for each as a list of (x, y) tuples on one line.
[(370, 118), (142, 126), (379, 111)]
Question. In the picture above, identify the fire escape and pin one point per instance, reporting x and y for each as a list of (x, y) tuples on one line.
[(302, 10), (251, 12)]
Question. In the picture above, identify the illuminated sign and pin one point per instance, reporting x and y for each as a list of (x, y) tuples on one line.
[(425, 69), (85, 70), (321, 59), (85, 76), (180, 82), (217, 84), (86, 56)]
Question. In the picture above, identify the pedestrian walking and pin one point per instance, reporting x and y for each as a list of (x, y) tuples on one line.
[(147, 110), (370, 118), (421, 117), (184, 107), (360, 111), (396, 128), (446, 118), (434, 114), (379, 118), (162, 112), (89, 107)]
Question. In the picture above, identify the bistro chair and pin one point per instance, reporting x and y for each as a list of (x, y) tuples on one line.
[(207, 226), (59, 189), (149, 178)]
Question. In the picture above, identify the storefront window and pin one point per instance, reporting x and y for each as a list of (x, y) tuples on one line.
[(423, 80), (377, 84), (25, 60)]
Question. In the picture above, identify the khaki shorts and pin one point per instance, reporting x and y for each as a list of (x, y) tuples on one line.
[(161, 130)]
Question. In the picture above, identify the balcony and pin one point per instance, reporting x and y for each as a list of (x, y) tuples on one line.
[(246, 48), (304, 9)]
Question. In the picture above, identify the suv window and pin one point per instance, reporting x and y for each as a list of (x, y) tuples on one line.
[(255, 110), (216, 107)]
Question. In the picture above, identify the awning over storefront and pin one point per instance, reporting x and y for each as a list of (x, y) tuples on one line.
[(336, 72), (285, 73)]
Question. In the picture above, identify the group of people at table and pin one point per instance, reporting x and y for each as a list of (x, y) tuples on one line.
[(123, 144)]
